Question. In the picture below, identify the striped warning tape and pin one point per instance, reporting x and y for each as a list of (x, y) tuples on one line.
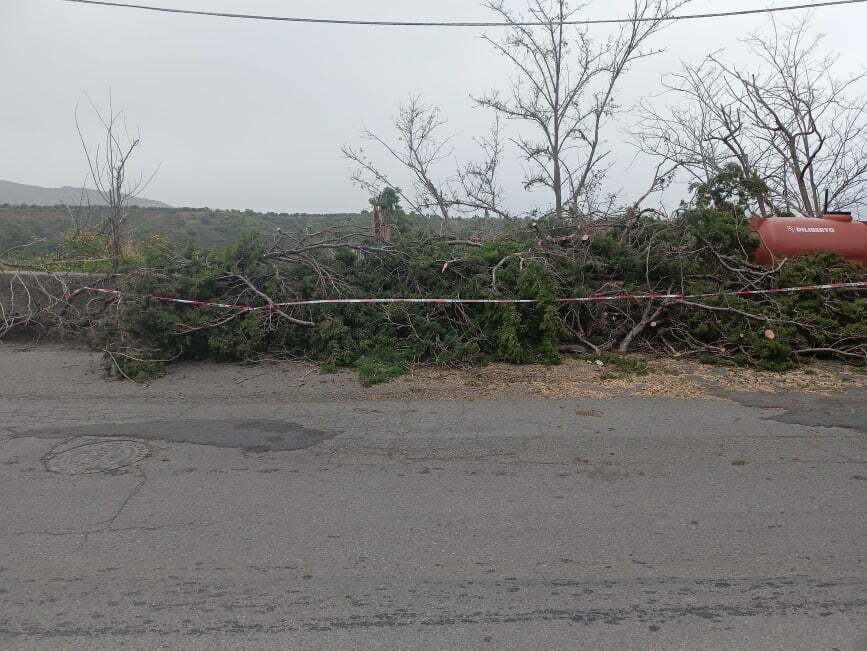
[(481, 301)]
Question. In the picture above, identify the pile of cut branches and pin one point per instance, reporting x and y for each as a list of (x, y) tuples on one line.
[(704, 251)]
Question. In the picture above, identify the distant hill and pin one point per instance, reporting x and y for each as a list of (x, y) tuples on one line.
[(208, 228), (19, 194), (40, 227)]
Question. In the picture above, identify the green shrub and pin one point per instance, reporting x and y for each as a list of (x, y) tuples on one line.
[(139, 368), (380, 366), (624, 365)]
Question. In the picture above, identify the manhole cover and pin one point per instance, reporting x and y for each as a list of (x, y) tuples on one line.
[(92, 458)]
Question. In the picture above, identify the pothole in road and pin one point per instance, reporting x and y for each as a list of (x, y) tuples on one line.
[(96, 457)]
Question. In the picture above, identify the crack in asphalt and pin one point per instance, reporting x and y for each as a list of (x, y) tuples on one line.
[(107, 525), (135, 491), (103, 526), (172, 526)]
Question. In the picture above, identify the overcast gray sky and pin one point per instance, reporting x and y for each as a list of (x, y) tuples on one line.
[(247, 114)]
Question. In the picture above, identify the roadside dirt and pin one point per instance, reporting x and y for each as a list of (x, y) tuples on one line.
[(671, 379), (36, 370)]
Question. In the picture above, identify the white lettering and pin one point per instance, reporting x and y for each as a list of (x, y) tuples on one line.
[(804, 229)]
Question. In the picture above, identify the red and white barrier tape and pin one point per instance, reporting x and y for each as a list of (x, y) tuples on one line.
[(482, 301)]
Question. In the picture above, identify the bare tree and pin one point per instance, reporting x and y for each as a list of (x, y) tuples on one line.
[(805, 116), (789, 121), (704, 134), (109, 168), (479, 180), (419, 148), (565, 88), (81, 214)]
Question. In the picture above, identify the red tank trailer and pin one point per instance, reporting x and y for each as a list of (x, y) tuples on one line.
[(790, 237)]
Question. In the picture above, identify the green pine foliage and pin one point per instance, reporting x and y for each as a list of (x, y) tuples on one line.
[(380, 341), (699, 251)]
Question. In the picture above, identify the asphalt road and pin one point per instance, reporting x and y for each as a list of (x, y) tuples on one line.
[(246, 520)]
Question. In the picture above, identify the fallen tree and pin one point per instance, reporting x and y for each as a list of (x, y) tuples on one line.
[(679, 283), (703, 253)]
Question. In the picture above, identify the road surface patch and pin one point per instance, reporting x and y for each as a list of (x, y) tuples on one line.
[(250, 435)]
